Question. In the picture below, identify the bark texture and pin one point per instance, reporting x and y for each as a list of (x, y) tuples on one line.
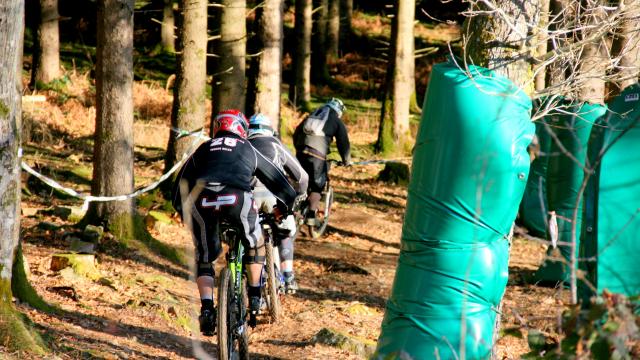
[(167, 31), (393, 135), (229, 74), (497, 44), (629, 40), (13, 333), (113, 149), (542, 45), (320, 70), (47, 45), (269, 62), (300, 88), (189, 91), (333, 29), (593, 60), (562, 11), (346, 13)]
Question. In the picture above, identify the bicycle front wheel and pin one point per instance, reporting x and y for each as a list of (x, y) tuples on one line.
[(273, 298), (233, 341)]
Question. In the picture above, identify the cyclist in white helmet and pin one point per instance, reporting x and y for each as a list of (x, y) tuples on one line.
[(261, 136), (312, 139)]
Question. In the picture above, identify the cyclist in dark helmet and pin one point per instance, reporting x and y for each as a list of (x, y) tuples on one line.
[(261, 136), (219, 176), (312, 139)]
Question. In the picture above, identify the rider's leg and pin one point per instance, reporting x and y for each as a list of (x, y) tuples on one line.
[(314, 200), (207, 250), (255, 254)]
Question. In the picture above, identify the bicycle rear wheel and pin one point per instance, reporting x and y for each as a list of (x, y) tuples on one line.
[(273, 298), (322, 221), (233, 341)]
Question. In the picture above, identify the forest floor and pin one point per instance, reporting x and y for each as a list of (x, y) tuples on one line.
[(143, 306)]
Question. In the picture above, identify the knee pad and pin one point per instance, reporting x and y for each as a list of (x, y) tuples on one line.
[(204, 269), (254, 256)]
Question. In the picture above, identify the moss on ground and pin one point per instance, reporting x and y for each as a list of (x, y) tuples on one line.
[(23, 290)]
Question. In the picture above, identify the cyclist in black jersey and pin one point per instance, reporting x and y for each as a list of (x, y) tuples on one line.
[(312, 139), (218, 178), (261, 136)]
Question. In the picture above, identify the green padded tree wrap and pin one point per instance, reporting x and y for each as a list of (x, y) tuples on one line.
[(533, 208), (564, 178), (611, 227), (469, 172)]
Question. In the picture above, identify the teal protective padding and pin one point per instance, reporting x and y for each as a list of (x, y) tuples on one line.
[(565, 174), (533, 207), (469, 172), (611, 227)]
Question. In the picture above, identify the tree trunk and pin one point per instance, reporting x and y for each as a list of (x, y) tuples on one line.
[(333, 30), (113, 149), (629, 52), (300, 88), (593, 60), (229, 73), (269, 62), (346, 13), (542, 44), (13, 333), (320, 70), (393, 135), (46, 57), (495, 43), (167, 32), (561, 10), (189, 91)]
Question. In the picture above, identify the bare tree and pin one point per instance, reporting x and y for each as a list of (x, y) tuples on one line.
[(46, 57), (113, 149), (189, 91), (346, 13), (319, 67), (393, 134), (269, 61), (628, 45), (230, 54), (12, 329), (300, 87), (333, 29), (167, 31)]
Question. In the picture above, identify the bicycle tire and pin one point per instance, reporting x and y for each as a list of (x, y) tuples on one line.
[(224, 316), (231, 346), (318, 231), (273, 298)]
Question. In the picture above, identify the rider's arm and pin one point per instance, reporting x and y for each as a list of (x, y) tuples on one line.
[(276, 181), (342, 140), (294, 170)]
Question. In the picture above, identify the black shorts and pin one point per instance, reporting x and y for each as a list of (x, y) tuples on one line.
[(232, 205), (316, 168)]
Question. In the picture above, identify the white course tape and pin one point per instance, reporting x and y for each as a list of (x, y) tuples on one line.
[(89, 198)]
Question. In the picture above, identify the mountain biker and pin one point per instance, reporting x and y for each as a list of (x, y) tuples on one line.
[(261, 136), (312, 139), (219, 176)]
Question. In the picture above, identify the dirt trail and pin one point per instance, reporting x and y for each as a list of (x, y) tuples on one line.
[(145, 307)]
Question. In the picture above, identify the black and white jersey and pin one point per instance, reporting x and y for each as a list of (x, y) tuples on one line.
[(318, 130), (230, 160), (277, 153)]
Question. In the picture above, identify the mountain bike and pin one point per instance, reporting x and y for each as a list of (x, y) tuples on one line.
[(319, 226), (233, 339), (274, 280)]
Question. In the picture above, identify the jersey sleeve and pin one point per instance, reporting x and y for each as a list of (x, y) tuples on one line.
[(342, 141), (275, 181)]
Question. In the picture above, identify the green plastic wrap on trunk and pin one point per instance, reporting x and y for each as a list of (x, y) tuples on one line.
[(611, 227), (533, 208), (565, 174), (469, 172)]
